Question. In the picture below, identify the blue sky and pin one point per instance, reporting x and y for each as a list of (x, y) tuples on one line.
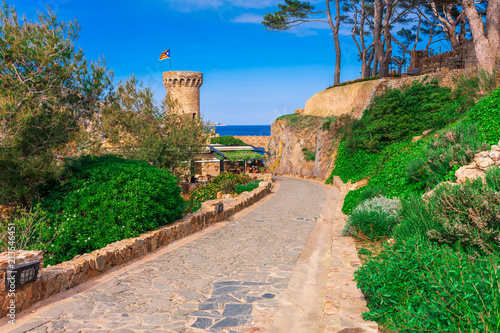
[(251, 76)]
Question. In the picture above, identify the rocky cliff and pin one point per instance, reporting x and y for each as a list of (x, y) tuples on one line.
[(338, 101), (303, 146)]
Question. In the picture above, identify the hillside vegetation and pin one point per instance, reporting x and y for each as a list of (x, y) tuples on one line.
[(441, 273)]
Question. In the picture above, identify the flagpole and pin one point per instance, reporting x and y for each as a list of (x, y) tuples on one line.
[(170, 62)]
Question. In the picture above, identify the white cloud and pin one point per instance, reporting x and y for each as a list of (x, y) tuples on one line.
[(194, 5), (248, 18)]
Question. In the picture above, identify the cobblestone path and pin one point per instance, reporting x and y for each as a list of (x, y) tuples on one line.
[(229, 280)]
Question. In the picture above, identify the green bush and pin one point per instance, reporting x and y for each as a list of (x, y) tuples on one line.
[(247, 187), (353, 165), (455, 146), (105, 199), (486, 113), (406, 168), (308, 155), (465, 215), (415, 287), (353, 198), (227, 140), (493, 178), (397, 115), (373, 219), (226, 181)]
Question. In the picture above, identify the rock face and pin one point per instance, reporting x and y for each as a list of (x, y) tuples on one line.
[(302, 148), (342, 100), (476, 168)]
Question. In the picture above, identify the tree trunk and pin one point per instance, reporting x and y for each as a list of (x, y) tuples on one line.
[(486, 44), (377, 33), (336, 41), (363, 65), (386, 58), (337, 57)]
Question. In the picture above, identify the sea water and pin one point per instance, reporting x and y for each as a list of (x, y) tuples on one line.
[(244, 130)]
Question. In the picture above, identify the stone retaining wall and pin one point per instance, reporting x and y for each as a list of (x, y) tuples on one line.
[(255, 140), (69, 274), (463, 56)]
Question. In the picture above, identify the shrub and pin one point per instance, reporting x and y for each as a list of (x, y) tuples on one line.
[(227, 140), (21, 230), (226, 181), (353, 198), (469, 88), (398, 115), (465, 215), (416, 220), (454, 147), (414, 287), (247, 187), (468, 215), (493, 178), (374, 219), (486, 113), (308, 155), (105, 199), (353, 165)]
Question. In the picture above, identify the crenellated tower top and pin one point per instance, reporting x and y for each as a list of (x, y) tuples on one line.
[(183, 91)]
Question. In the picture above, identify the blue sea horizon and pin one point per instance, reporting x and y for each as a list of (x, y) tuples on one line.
[(244, 130)]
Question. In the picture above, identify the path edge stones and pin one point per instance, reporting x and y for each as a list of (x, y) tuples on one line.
[(344, 302)]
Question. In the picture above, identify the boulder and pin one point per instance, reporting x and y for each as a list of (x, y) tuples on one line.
[(494, 155), (468, 172), (484, 163)]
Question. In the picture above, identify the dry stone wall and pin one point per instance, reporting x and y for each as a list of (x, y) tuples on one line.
[(256, 140), (463, 56), (69, 274)]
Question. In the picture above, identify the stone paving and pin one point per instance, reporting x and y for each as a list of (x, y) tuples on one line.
[(230, 280)]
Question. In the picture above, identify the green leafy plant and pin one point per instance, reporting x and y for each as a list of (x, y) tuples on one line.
[(227, 140), (226, 181), (493, 178), (104, 199), (454, 146), (308, 155), (353, 165), (398, 115), (242, 155), (486, 113), (418, 287), (247, 187)]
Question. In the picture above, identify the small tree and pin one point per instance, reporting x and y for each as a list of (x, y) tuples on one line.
[(293, 13), (138, 128), (47, 90)]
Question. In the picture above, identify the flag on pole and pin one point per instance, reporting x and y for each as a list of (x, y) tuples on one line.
[(165, 55)]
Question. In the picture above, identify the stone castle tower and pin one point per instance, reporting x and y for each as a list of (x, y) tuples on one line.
[(183, 89)]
